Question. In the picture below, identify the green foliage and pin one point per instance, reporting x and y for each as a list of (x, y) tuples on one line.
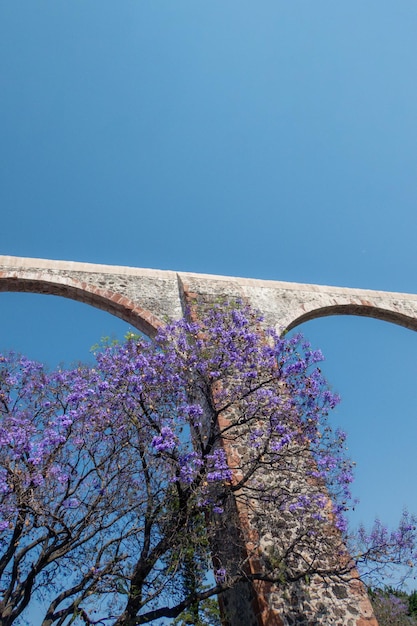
[(107, 342), (206, 613), (412, 604), (194, 564)]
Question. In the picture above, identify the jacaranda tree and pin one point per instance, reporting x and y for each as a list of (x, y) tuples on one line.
[(117, 481)]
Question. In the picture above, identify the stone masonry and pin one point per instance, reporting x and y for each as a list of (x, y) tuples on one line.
[(148, 299)]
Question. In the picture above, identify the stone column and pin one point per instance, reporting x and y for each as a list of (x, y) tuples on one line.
[(265, 547)]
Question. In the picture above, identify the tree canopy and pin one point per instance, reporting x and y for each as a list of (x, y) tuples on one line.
[(119, 482)]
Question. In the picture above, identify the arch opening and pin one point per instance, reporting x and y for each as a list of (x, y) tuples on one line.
[(373, 366), (116, 304), (55, 330), (358, 310)]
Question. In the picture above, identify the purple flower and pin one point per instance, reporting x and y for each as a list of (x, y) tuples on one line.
[(220, 575), (220, 470), (167, 440)]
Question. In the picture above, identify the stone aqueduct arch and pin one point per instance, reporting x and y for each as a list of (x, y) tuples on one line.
[(148, 299)]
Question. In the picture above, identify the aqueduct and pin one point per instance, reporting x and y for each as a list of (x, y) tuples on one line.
[(148, 299)]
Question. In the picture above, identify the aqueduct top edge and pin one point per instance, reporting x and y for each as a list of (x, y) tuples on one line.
[(14, 262), (148, 298)]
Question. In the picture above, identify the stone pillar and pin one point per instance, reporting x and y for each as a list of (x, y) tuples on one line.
[(260, 544)]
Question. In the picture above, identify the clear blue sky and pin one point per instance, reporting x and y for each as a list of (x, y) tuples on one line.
[(269, 139)]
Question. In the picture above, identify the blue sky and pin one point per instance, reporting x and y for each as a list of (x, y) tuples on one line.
[(270, 139)]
